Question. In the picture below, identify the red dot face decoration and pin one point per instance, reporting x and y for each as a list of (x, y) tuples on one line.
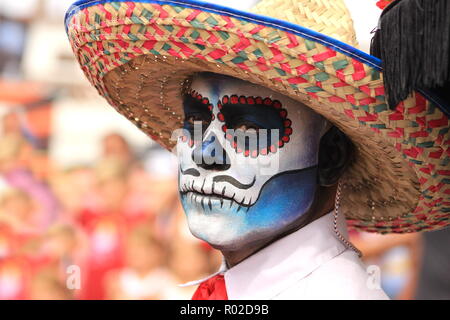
[(248, 160), (240, 115), (243, 114)]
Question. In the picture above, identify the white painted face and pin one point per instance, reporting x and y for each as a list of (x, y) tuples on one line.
[(235, 190)]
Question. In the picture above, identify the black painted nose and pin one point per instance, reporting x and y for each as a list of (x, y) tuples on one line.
[(210, 155)]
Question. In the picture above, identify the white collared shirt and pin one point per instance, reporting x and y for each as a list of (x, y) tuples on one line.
[(311, 263)]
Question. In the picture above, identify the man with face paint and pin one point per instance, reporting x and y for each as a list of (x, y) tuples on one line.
[(239, 195), (242, 190), (282, 131)]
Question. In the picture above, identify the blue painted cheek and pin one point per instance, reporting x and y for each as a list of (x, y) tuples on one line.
[(282, 200)]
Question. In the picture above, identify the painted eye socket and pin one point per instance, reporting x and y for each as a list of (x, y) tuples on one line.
[(260, 124), (196, 109)]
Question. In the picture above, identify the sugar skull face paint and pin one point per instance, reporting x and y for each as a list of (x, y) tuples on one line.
[(248, 161)]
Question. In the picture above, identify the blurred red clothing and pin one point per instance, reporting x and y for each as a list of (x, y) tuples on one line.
[(105, 245), (20, 260), (14, 278), (106, 240)]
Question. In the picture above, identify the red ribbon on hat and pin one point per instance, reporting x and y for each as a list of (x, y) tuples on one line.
[(212, 289)]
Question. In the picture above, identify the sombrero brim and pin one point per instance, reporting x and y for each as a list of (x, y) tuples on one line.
[(138, 55)]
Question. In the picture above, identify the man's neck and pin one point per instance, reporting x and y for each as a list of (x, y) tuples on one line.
[(323, 204)]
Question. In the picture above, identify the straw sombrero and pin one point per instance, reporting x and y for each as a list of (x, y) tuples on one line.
[(140, 54)]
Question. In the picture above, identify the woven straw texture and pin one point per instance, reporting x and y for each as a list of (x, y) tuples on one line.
[(139, 55), (328, 17)]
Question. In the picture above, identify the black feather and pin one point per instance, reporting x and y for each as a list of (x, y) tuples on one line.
[(413, 41)]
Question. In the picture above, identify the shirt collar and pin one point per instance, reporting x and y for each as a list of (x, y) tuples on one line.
[(274, 268), (223, 268), (266, 273)]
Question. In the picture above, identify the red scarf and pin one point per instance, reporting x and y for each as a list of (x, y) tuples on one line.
[(212, 289)]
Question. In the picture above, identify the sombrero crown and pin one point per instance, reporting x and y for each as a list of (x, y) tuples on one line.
[(139, 55), (328, 17)]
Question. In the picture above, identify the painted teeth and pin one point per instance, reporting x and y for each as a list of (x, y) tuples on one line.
[(203, 185), (199, 190), (204, 200)]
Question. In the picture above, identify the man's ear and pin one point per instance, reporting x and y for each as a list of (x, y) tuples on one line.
[(335, 155)]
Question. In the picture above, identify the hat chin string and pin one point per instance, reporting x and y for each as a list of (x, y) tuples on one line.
[(337, 201)]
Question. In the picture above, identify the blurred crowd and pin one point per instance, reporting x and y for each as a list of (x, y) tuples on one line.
[(118, 221), (86, 218)]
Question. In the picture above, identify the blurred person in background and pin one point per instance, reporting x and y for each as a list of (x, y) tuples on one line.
[(144, 275), (159, 166), (112, 185), (16, 168), (15, 269), (161, 190), (18, 210), (105, 225), (15, 153), (64, 243), (61, 247), (75, 189), (115, 145), (31, 256), (397, 256), (21, 241), (138, 198)]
